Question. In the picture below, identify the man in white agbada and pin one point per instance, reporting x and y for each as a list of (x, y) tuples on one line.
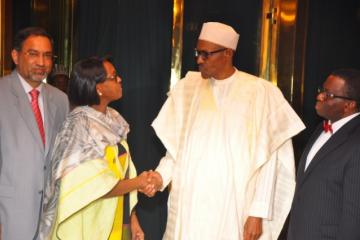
[(229, 153)]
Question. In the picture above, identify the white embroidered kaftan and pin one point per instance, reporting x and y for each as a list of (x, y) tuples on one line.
[(221, 154)]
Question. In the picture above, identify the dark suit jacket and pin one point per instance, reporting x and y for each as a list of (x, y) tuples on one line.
[(326, 203)]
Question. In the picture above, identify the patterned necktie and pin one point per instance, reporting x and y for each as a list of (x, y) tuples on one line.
[(327, 127), (35, 107)]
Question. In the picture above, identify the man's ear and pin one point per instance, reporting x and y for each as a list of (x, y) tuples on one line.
[(351, 107), (15, 56), (229, 52)]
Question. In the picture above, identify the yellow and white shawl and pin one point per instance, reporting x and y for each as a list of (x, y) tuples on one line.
[(84, 167)]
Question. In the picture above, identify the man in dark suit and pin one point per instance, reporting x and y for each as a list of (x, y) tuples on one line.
[(326, 204), (31, 112)]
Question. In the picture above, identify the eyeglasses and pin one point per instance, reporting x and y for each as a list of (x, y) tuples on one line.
[(32, 54), (205, 54), (328, 95)]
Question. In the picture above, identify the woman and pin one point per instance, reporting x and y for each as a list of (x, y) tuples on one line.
[(91, 188)]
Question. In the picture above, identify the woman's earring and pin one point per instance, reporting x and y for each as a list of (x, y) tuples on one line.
[(100, 93)]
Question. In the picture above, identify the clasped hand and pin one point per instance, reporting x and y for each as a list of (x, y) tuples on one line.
[(150, 183)]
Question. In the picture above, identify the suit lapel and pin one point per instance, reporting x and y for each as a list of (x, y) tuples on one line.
[(49, 116), (24, 107), (332, 144), (301, 167)]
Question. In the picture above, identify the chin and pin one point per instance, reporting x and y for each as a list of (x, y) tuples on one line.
[(204, 75), (319, 113), (38, 79)]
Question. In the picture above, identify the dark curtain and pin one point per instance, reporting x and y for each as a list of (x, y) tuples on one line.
[(332, 42), (137, 34), (21, 15)]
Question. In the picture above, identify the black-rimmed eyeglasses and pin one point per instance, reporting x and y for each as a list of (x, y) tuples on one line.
[(205, 54), (329, 95)]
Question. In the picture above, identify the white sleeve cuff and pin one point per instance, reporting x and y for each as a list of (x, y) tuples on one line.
[(260, 209), (165, 168)]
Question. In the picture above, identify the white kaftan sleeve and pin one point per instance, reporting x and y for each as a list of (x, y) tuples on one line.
[(262, 203), (165, 168)]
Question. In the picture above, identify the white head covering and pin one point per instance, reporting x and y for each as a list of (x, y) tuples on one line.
[(220, 34)]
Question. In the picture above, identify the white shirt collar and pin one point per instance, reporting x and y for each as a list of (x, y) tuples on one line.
[(339, 123), (27, 87), (223, 81)]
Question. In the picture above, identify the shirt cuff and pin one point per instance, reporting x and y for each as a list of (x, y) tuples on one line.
[(260, 209)]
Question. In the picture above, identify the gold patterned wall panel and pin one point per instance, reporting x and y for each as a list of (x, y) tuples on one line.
[(64, 26), (177, 43), (5, 36), (283, 46), (57, 17), (269, 33), (2, 35), (286, 47)]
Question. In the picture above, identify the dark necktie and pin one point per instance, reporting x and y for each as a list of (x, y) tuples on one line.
[(37, 113), (327, 127)]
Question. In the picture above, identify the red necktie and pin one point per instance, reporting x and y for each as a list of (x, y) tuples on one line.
[(35, 107), (327, 127)]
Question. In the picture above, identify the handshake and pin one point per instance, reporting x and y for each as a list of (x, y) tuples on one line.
[(149, 182)]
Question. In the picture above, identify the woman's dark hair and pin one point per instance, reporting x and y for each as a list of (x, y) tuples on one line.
[(23, 34), (83, 79)]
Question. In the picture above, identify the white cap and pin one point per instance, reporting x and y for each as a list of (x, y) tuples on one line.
[(220, 34)]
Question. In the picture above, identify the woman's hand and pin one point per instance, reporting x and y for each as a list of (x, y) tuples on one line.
[(136, 231)]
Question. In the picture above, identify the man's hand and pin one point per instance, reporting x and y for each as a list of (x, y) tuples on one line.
[(144, 183), (252, 228), (152, 182), (156, 179)]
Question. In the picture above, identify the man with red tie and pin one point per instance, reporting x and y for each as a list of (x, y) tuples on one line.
[(326, 204), (31, 112)]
